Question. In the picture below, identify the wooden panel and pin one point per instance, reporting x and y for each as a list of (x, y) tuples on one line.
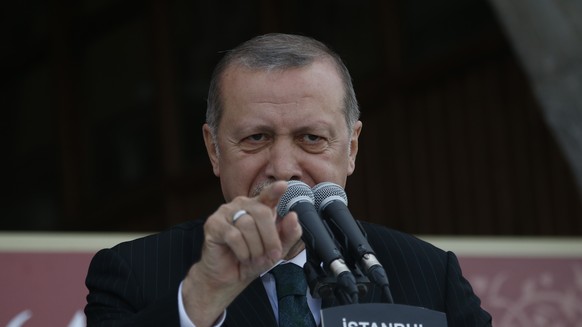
[(453, 140), (468, 153)]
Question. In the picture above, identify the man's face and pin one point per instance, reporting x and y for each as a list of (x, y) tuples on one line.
[(281, 125)]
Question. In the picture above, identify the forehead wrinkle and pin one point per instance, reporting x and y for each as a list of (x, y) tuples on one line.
[(282, 99), (276, 111)]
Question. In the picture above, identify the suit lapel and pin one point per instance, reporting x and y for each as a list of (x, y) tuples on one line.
[(251, 308)]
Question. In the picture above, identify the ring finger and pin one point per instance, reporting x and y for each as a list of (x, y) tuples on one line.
[(247, 226)]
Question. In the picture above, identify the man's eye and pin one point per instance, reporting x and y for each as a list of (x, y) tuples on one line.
[(254, 142), (256, 137), (311, 138)]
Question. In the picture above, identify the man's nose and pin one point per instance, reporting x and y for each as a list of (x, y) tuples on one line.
[(284, 161)]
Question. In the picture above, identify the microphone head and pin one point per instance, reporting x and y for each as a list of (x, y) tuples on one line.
[(297, 191), (327, 192)]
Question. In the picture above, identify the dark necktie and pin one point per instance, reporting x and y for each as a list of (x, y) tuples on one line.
[(291, 288)]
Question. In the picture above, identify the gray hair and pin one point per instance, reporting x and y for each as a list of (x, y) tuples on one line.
[(278, 51)]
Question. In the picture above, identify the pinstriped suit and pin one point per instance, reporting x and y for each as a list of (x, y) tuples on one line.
[(136, 283)]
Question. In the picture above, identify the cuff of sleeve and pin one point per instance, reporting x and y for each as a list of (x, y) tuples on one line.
[(185, 320)]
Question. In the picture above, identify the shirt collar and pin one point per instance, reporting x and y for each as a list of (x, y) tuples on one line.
[(300, 260)]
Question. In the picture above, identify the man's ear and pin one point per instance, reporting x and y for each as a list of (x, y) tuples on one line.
[(354, 146), (211, 149)]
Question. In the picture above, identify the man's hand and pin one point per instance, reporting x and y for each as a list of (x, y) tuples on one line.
[(234, 254)]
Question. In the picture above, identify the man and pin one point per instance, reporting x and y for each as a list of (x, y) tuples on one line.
[(280, 108)]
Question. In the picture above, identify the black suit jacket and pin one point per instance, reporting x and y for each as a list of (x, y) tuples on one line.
[(136, 283)]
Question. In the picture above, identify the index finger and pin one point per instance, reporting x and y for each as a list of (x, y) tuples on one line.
[(271, 194)]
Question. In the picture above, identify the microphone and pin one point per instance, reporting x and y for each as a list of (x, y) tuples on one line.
[(331, 202), (316, 236)]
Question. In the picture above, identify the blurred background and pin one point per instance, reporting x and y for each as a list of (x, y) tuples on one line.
[(103, 105)]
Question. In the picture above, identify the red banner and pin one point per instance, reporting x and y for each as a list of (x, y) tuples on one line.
[(43, 289), (44, 286)]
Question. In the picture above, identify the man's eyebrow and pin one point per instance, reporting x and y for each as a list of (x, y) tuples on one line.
[(317, 126)]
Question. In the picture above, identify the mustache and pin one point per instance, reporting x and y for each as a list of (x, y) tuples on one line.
[(260, 187)]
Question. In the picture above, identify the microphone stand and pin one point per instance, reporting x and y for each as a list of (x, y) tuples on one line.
[(325, 286), (376, 274), (343, 309)]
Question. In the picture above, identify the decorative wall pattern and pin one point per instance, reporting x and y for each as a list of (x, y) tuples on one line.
[(43, 285), (531, 292)]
